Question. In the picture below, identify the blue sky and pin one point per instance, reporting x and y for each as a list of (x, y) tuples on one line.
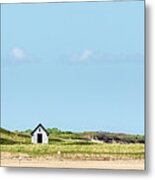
[(74, 66)]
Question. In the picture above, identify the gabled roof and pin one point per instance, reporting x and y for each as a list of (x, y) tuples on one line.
[(40, 125)]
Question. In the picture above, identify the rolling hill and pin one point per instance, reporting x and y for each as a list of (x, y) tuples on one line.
[(10, 137)]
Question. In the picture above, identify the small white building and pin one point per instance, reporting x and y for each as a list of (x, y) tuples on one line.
[(39, 135)]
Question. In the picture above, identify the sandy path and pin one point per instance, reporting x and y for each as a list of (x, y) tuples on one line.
[(25, 161)]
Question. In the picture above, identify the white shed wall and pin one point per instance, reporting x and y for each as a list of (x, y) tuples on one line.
[(44, 136)]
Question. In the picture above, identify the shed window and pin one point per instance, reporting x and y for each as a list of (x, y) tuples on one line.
[(39, 129)]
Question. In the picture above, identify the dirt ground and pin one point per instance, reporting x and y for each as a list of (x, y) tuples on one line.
[(23, 160)]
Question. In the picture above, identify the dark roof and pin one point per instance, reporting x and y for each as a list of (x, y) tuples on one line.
[(40, 125)]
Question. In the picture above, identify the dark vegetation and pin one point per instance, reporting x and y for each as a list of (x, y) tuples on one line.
[(119, 138)]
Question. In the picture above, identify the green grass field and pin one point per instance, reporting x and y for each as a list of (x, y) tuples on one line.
[(71, 146), (83, 152)]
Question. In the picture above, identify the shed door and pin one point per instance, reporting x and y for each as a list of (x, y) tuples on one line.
[(39, 138)]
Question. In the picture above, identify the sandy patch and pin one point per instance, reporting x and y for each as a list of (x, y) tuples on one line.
[(23, 160)]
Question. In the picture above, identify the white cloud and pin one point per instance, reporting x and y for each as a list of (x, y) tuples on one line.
[(18, 54), (85, 55)]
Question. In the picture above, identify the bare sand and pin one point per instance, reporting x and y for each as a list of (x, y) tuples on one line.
[(23, 160)]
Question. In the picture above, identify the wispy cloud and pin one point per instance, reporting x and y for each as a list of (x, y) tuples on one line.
[(89, 55), (85, 55), (18, 54)]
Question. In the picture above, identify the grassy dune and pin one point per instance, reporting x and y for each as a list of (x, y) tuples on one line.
[(89, 151), (9, 137), (72, 146)]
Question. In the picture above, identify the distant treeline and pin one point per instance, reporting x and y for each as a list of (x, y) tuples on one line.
[(50, 130)]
